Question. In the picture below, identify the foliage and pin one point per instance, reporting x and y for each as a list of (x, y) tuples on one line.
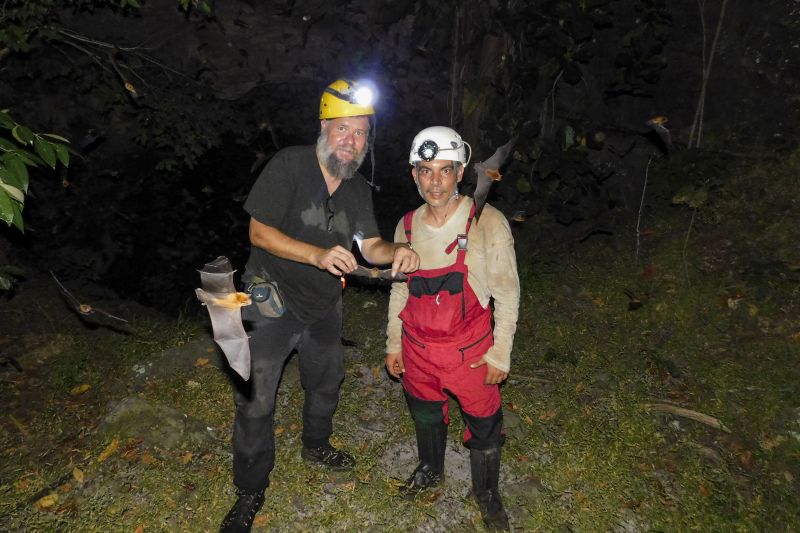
[(22, 149), (694, 197), (204, 6), (9, 274)]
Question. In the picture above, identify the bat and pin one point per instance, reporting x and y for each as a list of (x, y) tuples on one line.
[(234, 300), (82, 308), (488, 172), (224, 308), (657, 125), (376, 273)]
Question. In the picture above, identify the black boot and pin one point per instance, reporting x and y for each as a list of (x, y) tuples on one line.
[(421, 479), (431, 440), (485, 466), (240, 518), (329, 456)]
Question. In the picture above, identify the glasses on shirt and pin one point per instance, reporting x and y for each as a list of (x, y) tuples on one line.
[(329, 208)]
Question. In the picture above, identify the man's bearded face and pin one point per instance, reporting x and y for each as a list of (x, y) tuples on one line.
[(342, 145)]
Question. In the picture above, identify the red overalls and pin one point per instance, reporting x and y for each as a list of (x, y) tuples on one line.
[(445, 330)]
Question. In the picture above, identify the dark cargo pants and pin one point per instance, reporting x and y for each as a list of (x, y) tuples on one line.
[(321, 364)]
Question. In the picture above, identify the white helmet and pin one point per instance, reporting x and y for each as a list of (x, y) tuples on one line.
[(439, 142)]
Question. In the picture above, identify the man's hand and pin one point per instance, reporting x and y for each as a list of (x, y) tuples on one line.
[(404, 259), (399, 254), (494, 376), (394, 364), (337, 260)]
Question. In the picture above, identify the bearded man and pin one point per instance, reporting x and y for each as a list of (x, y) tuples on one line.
[(307, 207)]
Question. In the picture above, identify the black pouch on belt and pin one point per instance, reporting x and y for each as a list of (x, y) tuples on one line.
[(267, 298)]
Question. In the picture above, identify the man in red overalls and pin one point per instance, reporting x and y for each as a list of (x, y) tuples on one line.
[(440, 335)]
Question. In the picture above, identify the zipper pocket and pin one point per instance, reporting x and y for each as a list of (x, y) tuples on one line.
[(467, 347), (412, 339)]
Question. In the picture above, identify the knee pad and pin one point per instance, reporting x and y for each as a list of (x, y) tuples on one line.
[(424, 411)]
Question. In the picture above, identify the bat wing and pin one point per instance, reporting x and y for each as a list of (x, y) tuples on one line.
[(375, 273), (109, 315), (223, 304), (489, 171), (68, 295)]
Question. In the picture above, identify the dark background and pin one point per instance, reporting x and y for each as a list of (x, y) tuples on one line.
[(165, 167)]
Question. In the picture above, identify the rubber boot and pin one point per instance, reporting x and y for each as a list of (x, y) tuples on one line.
[(431, 443), (485, 466)]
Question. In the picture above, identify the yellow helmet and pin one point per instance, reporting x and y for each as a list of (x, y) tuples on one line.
[(344, 98)]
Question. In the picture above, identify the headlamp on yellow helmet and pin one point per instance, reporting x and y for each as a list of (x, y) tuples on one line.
[(345, 98)]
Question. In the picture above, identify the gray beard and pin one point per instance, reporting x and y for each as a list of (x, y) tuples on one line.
[(344, 170)]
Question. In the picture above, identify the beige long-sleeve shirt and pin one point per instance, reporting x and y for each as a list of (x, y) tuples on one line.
[(492, 272)]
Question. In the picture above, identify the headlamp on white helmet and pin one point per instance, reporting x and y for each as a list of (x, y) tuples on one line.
[(439, 142)]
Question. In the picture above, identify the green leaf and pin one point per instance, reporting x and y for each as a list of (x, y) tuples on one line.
[(23, 134), (9, 274), (523, 185), (16, 209), (19, 172), (6, 207), (13, 192), (25, 157), (7, 146), (6, 121), (54, 137), (62, 153), (45, 151), (12, 270), (7, 177)]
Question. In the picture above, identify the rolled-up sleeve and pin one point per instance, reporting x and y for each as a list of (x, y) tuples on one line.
[(503, 281)]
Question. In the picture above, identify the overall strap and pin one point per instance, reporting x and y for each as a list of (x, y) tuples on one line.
[(461, 239), (407, 224)]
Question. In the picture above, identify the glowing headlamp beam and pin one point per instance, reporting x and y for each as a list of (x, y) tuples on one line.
[(363, 96), (357, 94)]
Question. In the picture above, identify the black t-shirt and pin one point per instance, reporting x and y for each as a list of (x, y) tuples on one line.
[(291, 196)]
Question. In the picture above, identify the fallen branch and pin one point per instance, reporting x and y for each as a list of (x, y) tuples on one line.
[(688, 413)]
